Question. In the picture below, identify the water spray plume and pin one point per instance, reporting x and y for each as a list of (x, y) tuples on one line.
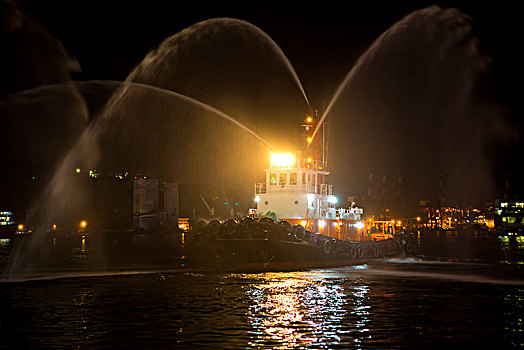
[(284, 58), (198, 103), (127, 84)]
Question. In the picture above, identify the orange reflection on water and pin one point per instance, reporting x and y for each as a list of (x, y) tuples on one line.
[(83, 247), (282, 305), (291, 312), (276, 314)]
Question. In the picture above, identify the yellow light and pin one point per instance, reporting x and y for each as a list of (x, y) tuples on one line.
[(303, 223), (309, 119), (309, 160), (392, 221), (309, 139), (83, 224), (20, 227), (399, 223), (418, 218), (282, 159)]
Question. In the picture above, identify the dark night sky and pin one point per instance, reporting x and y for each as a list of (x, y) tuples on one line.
[(322, 40)]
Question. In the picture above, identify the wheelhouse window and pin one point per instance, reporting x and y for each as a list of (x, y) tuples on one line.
[(293, 179), (272, 179), (283, 178)]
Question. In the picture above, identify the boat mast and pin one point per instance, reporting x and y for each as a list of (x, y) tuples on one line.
[(315, 148)]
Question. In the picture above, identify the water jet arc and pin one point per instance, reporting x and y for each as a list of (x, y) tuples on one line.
[(148, 87)]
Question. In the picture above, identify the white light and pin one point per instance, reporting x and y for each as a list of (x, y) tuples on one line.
[(257, 199), (285, 160), (360, 225), (321, 223), (310, 198), (332, 199)]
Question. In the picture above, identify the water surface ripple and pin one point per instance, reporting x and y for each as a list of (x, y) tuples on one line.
[(431, 301)]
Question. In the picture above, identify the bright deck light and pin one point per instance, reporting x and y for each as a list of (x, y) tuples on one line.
[(282, 159)]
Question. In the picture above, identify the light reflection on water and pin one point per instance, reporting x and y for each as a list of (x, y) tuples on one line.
[(297, 311), (439, 300), (342, 308), (510, 244)]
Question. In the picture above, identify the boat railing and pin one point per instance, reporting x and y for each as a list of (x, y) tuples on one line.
[(326, 189), (350, 213), (308, 163), (260, 188)]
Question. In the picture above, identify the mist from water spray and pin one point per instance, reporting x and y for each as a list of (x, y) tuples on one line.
[(27, 95), (457, 23), (229, 64), (59, 196), (62, 186), (414, 106), (64, 194), (238, 31)]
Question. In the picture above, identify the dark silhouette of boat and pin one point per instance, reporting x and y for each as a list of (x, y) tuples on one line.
[(264, 245)]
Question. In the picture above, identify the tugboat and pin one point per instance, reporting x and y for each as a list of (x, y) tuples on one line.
[(296, 224)]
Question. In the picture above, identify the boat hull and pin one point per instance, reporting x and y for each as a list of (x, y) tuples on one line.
[(261, 245)]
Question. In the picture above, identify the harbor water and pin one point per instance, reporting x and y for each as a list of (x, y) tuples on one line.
[(463, 290)]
